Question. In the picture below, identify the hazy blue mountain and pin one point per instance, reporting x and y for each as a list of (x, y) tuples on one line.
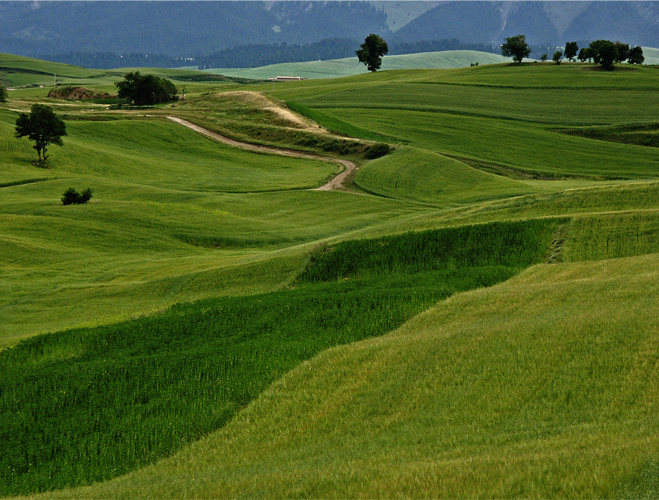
[(636, 23), (192, 28), (462, 20), (177, 28)]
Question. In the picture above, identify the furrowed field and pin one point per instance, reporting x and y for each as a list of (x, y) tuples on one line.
[(475, 315)]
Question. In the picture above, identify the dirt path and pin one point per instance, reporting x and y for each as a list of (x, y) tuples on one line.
[(337, 183)]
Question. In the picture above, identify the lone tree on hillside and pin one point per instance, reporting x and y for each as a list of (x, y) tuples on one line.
[(636, 55), (41, 126), (516, 47), (371, 52), (571, 49), (146, 89)]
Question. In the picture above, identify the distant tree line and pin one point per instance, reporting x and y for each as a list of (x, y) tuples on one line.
[(255, 55), (603, 52), (606, 53), (109, 60)]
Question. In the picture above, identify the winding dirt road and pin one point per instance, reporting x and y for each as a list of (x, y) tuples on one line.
[(338, 183)]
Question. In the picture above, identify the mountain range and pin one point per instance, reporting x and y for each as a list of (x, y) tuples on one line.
[(195, 28)]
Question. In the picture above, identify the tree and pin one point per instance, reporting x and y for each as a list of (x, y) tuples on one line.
[(608, 53), (623, 52), (604, 52), (543, 57), (571, 49), (636, 56), (557, 56), (41, 126), (516, 47), (371, 52), (146, 89), (3, 94), (585, 54)]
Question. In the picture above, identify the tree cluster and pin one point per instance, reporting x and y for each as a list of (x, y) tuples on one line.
[(602, 52), (145, 90), (105, 60), (605, 53), (43, 127)]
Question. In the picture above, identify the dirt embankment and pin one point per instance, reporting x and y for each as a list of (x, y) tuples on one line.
[(81, 93)]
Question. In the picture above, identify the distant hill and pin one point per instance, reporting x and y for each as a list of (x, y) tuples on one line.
[(197, 28), (351, 66)]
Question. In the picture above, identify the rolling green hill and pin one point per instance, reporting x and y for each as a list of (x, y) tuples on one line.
[(474, 316), (651, 55), (351, 66), (28, 77), (541, 386)]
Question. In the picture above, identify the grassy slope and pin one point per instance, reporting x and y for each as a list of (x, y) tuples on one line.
[(164, 224), (9, 62), (500, 114), (30, 78), (223, 352), (540, 387), (373, 436), (351, 66)]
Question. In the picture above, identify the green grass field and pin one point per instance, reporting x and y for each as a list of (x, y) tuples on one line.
[(476, 316)]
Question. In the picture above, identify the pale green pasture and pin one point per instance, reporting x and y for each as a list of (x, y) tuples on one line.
[(612, 236), (568, 200), (576, 80), (500, 114), (166, 222), (134, 248), (40, 66), (349, 66), (432, 178), (571, 76), (522, 146), (540, 387), (169, 155), (651, 55), (547, 106)]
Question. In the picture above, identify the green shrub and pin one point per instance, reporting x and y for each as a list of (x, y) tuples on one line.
[(71, 196), (377, 150)]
